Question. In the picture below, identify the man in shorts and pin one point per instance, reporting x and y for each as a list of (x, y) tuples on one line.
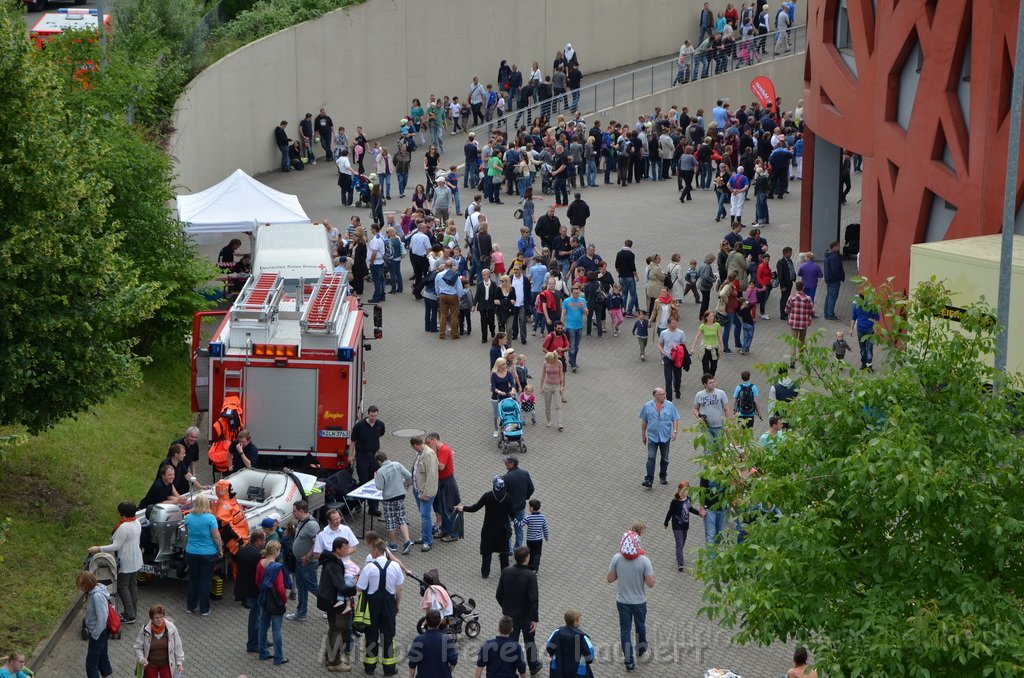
[(391, 479)]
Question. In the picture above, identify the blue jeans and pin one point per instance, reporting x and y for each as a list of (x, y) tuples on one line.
[(437, 138), (748, 336), (761, 208), (629, 298), (426, 508), (831, 296), (97, 663), (592, 172), (732, 320), (386, 178), (811, 292), (268, 622), (867, 347), (305, 583), (521, 185), (286, 164), (652, 455), (469, 175), (252, 643), (654, 168), (395, 267), (628, 615), (608, 162), (714, 524), (447, 498), (377, 275), (539, 323), (518, 529), (430, 307), (722, 199), (200, 571), (704, 175), (458, 203), (575, 336), (403, 181)]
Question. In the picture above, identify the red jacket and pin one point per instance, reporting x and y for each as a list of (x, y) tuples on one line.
[(764, 275)]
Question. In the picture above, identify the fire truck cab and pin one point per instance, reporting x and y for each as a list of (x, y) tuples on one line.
[(296, 362), (65, 19)]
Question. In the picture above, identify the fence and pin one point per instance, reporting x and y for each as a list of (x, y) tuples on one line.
[(652, 79)]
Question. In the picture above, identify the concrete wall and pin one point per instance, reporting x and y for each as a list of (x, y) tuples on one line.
[(366, 63), (786, 73)]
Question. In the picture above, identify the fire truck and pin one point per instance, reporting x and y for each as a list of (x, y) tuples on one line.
[(294, 359), (65, 19)]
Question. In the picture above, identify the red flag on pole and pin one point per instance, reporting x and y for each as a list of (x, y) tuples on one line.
[(764, 90)]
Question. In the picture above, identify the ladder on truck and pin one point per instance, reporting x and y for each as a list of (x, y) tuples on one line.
[(259, 298), (325, 305)]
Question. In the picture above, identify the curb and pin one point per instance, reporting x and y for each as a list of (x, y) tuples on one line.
[(42, 651)]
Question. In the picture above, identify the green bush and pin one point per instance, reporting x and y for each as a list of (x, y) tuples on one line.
[(269, 16)]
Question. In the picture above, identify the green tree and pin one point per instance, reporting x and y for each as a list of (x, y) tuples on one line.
[(69, 294), (899, 549)]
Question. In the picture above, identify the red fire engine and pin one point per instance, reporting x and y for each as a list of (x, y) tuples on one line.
[(296, 362), (63, 20)]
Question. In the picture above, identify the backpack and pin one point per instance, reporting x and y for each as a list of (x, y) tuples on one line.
[(785, 393), (669, 279), (745, 403), (113, 621)]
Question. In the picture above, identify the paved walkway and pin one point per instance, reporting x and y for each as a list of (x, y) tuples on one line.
[(587, 477)]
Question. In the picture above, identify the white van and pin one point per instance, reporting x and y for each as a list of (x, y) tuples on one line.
[(293, 250)]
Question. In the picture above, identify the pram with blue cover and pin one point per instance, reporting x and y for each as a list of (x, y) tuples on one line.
[(510, 425)]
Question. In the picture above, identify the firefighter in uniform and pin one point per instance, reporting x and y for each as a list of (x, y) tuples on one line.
[(383, 601)]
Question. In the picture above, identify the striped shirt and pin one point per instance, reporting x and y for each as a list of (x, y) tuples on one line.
[(536, 527)]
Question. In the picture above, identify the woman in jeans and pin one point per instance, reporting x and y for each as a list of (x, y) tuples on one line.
[(277, 583), (687, 166), (202, 550), (552, 384), (722, 192), (395, 262), (709, 338), (97, 606)]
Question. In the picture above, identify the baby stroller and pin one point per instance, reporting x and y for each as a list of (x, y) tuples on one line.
[(458, 614), (104, 567), (361, 188), (546, 182), (510, 425)]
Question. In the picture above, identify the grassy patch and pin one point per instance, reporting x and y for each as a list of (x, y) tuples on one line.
[(61, 491)]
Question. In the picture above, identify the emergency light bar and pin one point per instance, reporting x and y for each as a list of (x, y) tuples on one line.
[(275, 350), (346, 354)]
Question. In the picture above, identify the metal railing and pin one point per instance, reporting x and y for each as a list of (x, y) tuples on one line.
[(652, 79)]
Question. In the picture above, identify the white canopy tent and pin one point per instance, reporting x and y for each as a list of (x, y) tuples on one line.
[(238, 204)]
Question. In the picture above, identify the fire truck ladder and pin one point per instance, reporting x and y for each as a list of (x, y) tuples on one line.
[(259, 298), (234, 383), (325, 305)]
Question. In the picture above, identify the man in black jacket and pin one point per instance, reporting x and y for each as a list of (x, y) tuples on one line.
[(786, 273), (324, 127), (486, 293), (247, 590), (625, 266), (519, 486), (547, 228), (519, 599), (578, 213), (339, 617), (282, 141)]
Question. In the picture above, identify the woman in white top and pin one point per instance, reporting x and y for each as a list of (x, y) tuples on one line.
[(125, 543), (535, 74), (333, 237)]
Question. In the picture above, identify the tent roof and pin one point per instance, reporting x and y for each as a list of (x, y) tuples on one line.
[(237, 204)]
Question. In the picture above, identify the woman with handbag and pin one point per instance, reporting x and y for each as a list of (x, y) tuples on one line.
[(158, 647), (504, 301), (274, 582), (709, 338)]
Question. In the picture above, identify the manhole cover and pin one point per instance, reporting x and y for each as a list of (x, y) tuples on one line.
[(408, 432)]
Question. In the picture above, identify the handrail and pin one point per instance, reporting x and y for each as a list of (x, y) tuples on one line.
[(652, 79)]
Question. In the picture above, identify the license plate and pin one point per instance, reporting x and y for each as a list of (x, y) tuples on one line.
[(150, 569), (329, 433)]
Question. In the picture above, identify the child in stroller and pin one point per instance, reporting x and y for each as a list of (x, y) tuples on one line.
[(103, 566), (510, 425), (361, 188), (457, 613), (546, 182)]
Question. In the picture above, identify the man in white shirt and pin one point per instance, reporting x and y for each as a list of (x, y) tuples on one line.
[(384, 603), (335, 528), (667, 342), (375, 262), (419, 245)]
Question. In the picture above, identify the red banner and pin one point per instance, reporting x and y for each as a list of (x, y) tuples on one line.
[(764, 90)]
